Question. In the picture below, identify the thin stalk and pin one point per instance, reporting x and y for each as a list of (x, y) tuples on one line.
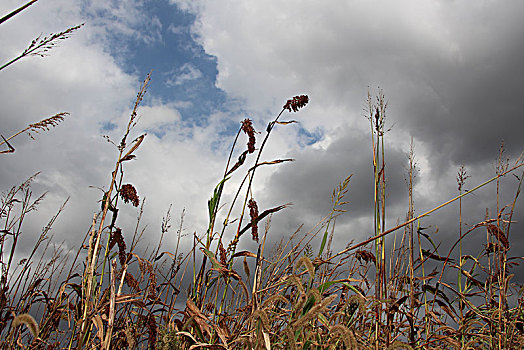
[(94, 257), (426, 305), (411, 242), (18, 10), (385, 233), (40, 46), (250, 175), (376, 224), (461, 179)]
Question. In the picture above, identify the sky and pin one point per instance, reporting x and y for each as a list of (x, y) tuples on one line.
[(451, 72)]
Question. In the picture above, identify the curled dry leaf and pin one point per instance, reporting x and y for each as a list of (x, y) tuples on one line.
[(137, 142)]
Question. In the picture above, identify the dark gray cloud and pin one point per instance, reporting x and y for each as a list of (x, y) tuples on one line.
[(450, 72)]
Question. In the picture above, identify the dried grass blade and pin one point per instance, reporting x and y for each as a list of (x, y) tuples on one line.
[(245, 253), (241, 160), (199, 317), (129, 154), (11, 148), (501, 237), (263, 215), (286, 122)]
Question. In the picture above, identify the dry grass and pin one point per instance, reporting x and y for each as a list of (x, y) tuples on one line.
[(363, 297)]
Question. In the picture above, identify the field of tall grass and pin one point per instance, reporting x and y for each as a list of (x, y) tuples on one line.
[(370, 295)]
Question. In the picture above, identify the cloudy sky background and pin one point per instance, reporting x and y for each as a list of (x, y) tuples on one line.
[(451, 72)]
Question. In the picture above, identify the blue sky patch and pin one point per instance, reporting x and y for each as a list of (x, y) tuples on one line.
[(183, 74)]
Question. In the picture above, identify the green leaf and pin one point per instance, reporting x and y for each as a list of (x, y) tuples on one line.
[(324, 286), (216, 264), (324, 239), (309, 304), (213, 202)]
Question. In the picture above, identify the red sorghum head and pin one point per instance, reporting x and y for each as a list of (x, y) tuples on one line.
[(296, 103), (128, 193)]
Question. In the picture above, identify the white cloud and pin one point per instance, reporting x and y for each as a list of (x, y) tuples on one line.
[(127, 18), (81, 77)]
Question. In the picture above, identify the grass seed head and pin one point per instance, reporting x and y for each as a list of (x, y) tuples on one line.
[(46, 124), (253, 213), (247, 127), (29, 321), (128, 194), (296, 103), (118, 239)]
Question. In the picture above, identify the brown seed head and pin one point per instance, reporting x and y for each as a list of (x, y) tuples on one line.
[(46, 124), (253, 213), (152, 330), (132, 282), (128, 193), (223, 254), (296, 103), (247, 127), (118, 239), (366, 256), (501, 236)]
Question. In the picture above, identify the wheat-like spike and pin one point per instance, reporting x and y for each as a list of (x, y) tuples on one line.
[(29, 321), (40, 46), (329, 300), (274, 298), (342, 332), (357, 299), (315, 310), (48, 123), (294, 280), (44, 124), (304, 260), (353, 339), (261, 314), (246, 268)]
